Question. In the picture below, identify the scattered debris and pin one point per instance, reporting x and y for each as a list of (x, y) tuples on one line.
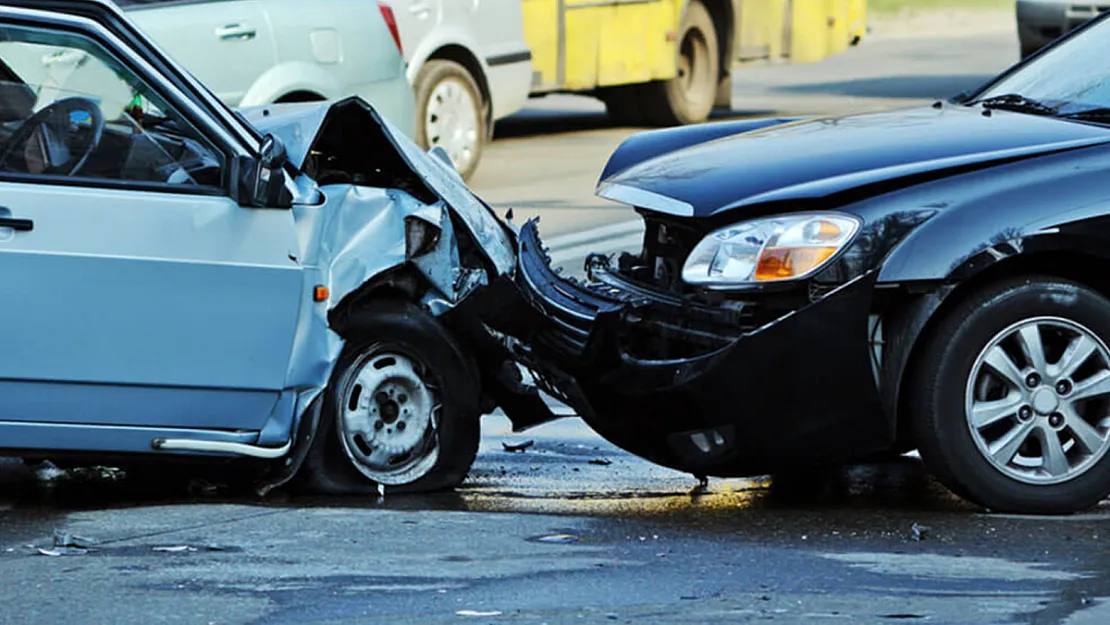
[(601, 461), (478, 613), (518, 447), (47, 471), (919, 531), (558, 538), (175, 549), (65, 539), (703, 481), (63, 551)]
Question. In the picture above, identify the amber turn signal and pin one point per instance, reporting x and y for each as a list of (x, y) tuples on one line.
[(320, 293), (778, 263)]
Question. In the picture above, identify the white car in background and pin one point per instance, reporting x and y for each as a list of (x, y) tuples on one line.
[(257, 52), (469, 66)]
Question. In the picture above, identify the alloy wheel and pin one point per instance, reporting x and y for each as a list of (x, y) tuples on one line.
[(1038, 400)]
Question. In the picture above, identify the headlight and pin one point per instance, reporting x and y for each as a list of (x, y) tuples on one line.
[(786, 247)]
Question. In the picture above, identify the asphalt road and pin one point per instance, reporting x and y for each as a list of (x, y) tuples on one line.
[(571, 530)]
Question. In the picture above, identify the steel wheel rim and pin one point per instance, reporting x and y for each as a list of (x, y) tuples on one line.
[(451, 122), (1037, 402), (389, 416)]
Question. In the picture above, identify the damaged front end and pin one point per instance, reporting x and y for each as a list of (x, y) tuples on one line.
[(713, 383), (379, 219)]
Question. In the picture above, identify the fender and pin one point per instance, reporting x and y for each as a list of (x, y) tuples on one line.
[(644, 146), (289, 77)]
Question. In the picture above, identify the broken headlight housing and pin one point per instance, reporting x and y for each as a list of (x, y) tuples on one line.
[(772, 249)]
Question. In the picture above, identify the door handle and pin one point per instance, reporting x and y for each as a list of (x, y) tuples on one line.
[(236, 32), (16, 223)]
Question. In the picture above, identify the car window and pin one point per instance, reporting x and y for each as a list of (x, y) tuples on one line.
[(1068, 76), (70, 108)]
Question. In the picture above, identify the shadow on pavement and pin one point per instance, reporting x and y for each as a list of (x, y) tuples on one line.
[(536, 122), (909, 87)]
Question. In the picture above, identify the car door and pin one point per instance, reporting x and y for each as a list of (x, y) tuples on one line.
[(138, 292), (227, 44)]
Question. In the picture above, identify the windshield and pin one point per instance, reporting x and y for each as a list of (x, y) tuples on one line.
[(1071, 77)]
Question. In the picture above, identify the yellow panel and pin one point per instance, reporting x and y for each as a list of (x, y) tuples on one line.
[(809, 32), (837, 35), (762, 26), (857, 19), (634, 45), (541, 32), (582, 31)]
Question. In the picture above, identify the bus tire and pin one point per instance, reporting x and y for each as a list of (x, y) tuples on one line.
[(689, 96)]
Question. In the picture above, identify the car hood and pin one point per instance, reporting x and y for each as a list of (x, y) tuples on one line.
[(348, 136), (817, 158)]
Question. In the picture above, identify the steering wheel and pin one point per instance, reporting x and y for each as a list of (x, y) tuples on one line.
[(54, 122)]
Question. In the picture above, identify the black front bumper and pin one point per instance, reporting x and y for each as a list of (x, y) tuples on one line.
[(745, 396)]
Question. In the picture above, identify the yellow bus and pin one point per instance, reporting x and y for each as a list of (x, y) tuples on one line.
[(669, 62)]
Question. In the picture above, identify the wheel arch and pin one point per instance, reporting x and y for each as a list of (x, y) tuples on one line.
[(915, 317)]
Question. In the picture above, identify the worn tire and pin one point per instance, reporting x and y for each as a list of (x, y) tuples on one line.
[(405, 329), (679, 101), (938, 411), (443, 72)]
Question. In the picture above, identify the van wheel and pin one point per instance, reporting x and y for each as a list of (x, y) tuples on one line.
[(450, 113), (689, 96), (401, 409), (1011, 408)]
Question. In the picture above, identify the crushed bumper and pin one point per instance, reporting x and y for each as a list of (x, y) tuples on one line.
[(709, 389)]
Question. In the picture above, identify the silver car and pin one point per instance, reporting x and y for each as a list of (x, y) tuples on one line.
[(251, 52), (1040, 22), (469, 65), (298, 284)]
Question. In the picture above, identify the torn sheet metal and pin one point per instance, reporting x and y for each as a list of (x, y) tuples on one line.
[(353, 231)]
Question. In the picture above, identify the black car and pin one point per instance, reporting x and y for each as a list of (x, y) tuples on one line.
[(812, 291)]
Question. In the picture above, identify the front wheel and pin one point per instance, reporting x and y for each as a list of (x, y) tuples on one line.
[(401, 410), (1011, 405)]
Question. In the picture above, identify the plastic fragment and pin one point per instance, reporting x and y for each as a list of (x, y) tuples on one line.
[(919, 531), (601, 461), (519, 447), (478, 613), (175, 549), (63, 551), (558, 538)]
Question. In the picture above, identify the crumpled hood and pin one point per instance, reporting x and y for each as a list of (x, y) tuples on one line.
[(818, 157), (296, 124)]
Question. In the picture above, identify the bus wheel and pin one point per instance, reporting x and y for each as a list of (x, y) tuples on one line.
[(689, 96)]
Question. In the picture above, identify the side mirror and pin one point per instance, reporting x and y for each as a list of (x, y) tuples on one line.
[(266, 184)]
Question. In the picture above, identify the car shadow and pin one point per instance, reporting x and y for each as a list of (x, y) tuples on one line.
[(898, 87), (541, 122)]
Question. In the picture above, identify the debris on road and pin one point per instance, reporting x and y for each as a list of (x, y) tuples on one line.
[(518, 447), (62, 551), (558, 538), (66, 544), (65, 539), (919, 531), (601, 461), (175, 549), (478, 613)]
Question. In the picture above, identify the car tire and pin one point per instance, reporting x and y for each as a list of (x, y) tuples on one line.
[(451, 113), (977, 356), (397, 359), (688, 97)]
